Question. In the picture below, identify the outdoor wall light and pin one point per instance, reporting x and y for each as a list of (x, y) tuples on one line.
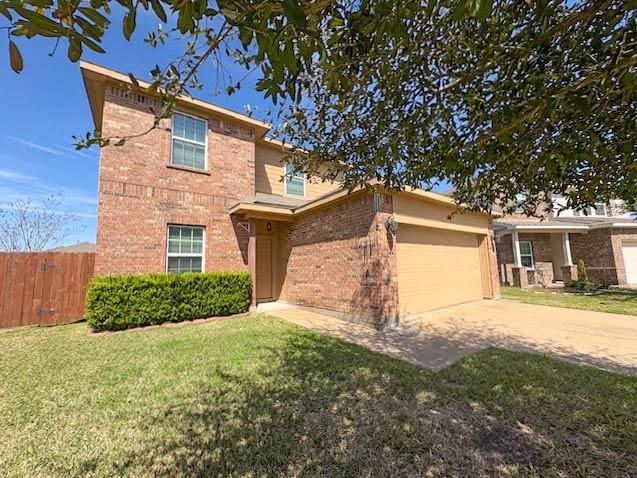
[(391, 225)]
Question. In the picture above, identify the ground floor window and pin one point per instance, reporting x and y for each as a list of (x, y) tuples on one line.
[(185, 251), (526, 254)]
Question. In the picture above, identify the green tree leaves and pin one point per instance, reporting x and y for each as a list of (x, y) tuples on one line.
[(294, 13)]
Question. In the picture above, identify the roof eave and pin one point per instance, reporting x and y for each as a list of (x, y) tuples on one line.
[(93, 74)]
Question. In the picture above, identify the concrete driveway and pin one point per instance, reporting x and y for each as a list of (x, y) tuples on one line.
[(438, 339)]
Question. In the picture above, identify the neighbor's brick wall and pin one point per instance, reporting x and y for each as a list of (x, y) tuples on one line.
[(596, 250), (542, 258), (139, 194), (504, 254), (618, 235), (342, 258)]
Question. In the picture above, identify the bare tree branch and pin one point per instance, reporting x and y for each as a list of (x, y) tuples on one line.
[(30, 226)]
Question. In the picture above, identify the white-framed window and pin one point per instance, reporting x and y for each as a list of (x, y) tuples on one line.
[(185, 250), (294, 181), (526, 254), (599, 209), (189, 141), (520, 199)]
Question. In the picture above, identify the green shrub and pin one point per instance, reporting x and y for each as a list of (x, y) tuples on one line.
[(582, 271), (586, 286), (583, 283), (121, 302)]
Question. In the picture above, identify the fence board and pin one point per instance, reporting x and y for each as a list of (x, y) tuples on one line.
[(47, 281), (29, 284), (4, 292), (43, 288), (15, 264)]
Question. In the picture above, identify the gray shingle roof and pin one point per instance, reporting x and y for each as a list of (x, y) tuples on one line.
[(273, 200)]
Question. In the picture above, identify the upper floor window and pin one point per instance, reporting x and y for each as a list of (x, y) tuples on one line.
[(559, 206), (599, 209), (294, 182), (520, 199), (189, 141), (185, 249)]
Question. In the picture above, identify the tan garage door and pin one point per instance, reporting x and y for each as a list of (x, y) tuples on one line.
[(436, 268)]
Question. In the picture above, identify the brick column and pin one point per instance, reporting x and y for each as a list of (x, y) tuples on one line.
[(252, 262), (569, 273), (520, 277), (493, 265)]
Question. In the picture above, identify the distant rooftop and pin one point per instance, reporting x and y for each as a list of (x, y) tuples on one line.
[(79, 247)]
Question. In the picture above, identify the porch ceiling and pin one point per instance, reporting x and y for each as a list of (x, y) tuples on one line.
[(549, 229), (545, 227), (261, 211)]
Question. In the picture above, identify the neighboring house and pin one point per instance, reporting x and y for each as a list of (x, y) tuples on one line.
[(540, 251), (79, 247), (209, 192)]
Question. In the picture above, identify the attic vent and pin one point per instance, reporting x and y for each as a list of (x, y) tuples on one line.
[(136, 98), (119, 92)]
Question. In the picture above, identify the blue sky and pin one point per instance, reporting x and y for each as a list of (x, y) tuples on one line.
[(45, 105)]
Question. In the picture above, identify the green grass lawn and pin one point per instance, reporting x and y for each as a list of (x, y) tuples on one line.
[(256, 396), (614, 301)]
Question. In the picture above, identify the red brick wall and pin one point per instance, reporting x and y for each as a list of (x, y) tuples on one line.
[(596, 250), (493, 265), (504, 252), (139, 194), (341, 258)]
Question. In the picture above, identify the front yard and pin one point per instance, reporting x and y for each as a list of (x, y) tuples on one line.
[(257, 396), (615, 301)]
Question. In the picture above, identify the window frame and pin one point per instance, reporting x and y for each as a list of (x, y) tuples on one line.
[(179, 254), (520, 199), (186, 140), (597, 207), (285, 184), (530, 254)]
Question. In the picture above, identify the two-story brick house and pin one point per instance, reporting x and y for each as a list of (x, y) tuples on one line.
[(546, 249), (209, 191)]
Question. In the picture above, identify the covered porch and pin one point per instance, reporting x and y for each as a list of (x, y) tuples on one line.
[(267, 226), (536, 254)]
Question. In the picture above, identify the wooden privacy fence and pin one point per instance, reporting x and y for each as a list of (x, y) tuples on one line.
[(43, 288)]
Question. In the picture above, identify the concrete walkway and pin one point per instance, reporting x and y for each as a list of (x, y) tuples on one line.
[(438, 339)]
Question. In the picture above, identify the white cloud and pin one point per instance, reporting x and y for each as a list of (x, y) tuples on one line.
[(39, 147), (56, 150), (83, 203), (15, 176), (83, 153)]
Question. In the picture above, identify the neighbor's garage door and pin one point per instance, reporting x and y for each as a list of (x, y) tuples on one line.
[(436, 268), (629, 250)]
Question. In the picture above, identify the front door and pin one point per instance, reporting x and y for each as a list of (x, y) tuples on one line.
[(264, 267), (557, 255)]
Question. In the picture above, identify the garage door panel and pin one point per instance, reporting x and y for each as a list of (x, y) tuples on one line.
[(436, 268), (629, 251)]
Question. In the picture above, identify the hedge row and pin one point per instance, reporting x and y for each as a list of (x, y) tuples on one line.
[(121, 302)]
